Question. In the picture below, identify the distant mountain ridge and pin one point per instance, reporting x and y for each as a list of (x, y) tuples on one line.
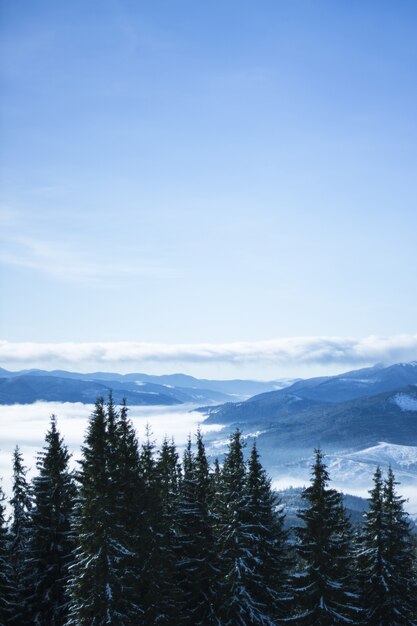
[(319, 391), (28, 389), (28, 386), (349, 411), (357, 383)]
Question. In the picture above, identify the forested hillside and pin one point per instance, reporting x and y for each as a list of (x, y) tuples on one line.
[(139, 536)]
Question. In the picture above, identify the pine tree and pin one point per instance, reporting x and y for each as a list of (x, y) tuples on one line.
[(161, 480), (238, 551), (215, 490), (5, 568), (400, 550), (51, 543), (20, 535), (270, 589), (168, 476), (149, 589), (386, 558), (97, 580), (211, 569), (197, 569), (371, 556), (324, 587), (216, 477), (91, 595), (128, 487)]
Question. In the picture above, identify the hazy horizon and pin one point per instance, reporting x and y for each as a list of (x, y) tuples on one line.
[(326, 371)]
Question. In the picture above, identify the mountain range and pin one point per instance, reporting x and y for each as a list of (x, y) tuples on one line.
[(27, 386), (359, 418), (348, 412)]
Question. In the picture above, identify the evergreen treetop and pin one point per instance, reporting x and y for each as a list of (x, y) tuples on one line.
[(324, 588)]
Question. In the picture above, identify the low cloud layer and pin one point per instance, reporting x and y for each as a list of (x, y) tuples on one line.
[(300, 350)]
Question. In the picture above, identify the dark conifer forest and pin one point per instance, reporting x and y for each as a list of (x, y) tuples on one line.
[(137, 535)]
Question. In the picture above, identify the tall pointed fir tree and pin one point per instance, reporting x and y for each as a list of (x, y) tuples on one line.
[(197, 570), (168, 474), (150, 591), (129, 515), (400, 549), (386, 558), (98, 580), (52, 544), (124, 512), (5, 568), (266, 525), (161, 479), (241, 574), (90, 588), (371, 562), (324, 588), (20, 534), (204, 484)]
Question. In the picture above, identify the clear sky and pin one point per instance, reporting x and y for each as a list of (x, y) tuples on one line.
[(208, 172)]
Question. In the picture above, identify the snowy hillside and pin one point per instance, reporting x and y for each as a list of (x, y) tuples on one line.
[(352, 472)]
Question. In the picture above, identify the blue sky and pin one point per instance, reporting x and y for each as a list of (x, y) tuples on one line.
[(223, 172)]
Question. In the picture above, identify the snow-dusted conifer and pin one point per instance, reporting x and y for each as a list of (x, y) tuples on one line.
[(161, 478), (324, 589), (128, 516), (97, 578), (371, 559), (237, 549), (90, 587), (400, 548), (51, 543), (386, 558), (20, 534), (5, 568), (149, 589), (266, 525), (124, 513), (197, 570)]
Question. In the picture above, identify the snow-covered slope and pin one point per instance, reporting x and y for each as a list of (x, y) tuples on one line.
[(402, 458), (405, 401), (352, 472)]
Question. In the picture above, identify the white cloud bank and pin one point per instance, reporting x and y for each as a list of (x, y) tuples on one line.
[(300, 350)]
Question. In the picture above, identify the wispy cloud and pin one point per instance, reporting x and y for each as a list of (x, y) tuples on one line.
[(62, 260), (299, 350)]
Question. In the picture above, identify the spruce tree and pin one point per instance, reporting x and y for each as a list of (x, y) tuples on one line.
[(149, 589), (211, 569), (168, 476), (197, 570), (51, 544), (91, 594), (400, 550), (324, 589), (215, 491), (97, 579), (371, 558), (160, 478), (270, 588), (237, 545), (5, 568), (20, 536), (386, 558), (128, 488)]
